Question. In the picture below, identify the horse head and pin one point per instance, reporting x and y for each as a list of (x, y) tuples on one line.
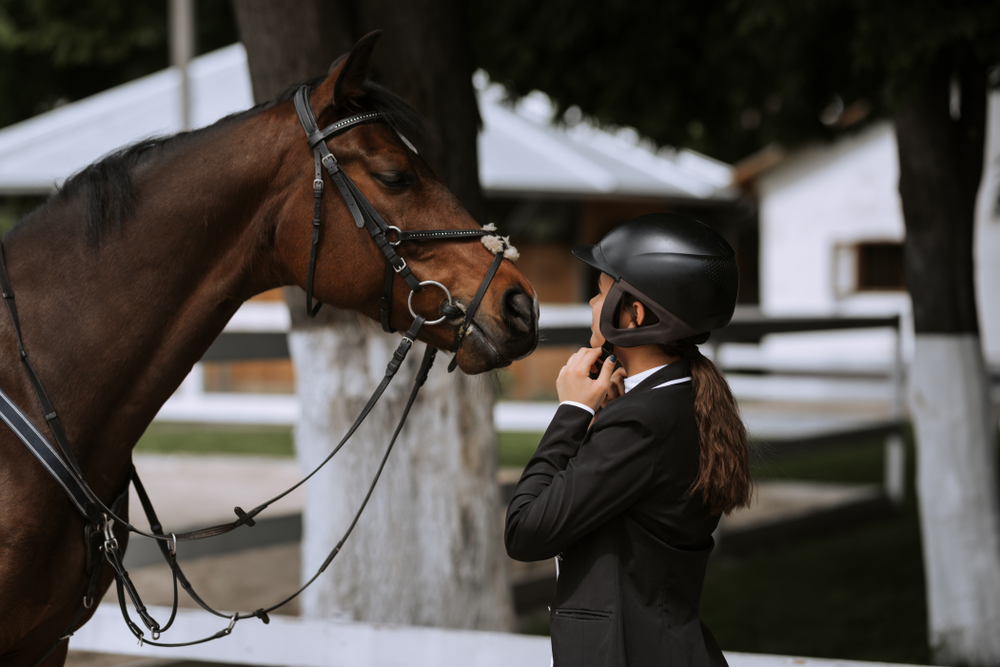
[(350, 268)]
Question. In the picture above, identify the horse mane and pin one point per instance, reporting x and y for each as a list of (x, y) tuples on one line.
[(106, 187)]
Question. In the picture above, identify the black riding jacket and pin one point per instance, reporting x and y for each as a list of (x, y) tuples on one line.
[(611, 502)]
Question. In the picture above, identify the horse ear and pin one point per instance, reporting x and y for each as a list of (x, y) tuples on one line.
[(347, 74)]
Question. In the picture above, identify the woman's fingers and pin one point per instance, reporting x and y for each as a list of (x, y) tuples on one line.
[(607, 369), (618, 381), (574, 383)]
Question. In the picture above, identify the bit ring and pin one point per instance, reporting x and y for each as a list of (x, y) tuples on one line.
[(409, 301)]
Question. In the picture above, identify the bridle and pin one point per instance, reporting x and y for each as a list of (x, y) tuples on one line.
[(366, 216), (62, 465)]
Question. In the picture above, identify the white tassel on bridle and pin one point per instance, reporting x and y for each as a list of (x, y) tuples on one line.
[(497, 244)]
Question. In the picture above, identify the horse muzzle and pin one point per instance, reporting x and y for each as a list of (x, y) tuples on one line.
[(495, 341)]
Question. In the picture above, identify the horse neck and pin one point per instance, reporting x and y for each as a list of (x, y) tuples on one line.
[(113, 330)]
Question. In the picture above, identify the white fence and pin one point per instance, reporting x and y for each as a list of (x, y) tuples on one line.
[(297, 642), (806, 365)]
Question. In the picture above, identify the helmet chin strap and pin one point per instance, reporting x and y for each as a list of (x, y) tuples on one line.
[(606, 351)]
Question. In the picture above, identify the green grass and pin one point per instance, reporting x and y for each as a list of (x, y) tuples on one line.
[(201, 439), (516, 448), (856, 594), (858, 463), (166, 438)]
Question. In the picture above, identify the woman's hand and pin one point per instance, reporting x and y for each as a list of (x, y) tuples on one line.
[(617, 387), (574, 383)]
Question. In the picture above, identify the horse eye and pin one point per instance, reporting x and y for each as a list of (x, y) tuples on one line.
[(395, 179)]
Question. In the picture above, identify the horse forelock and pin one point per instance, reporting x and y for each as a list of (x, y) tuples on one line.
[(396, 111)]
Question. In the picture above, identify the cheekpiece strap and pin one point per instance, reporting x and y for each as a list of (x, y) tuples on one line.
[(362, 211)]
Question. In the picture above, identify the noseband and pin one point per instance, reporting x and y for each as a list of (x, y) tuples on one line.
[(366, 216)]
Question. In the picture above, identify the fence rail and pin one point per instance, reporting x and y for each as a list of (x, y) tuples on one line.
[(298, 642)]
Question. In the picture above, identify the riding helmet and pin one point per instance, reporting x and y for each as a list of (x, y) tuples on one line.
[(679, 268)]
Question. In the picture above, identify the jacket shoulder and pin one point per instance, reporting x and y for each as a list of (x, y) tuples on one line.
[(656, 407)]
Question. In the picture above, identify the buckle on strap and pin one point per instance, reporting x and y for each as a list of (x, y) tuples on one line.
[(110, 541)]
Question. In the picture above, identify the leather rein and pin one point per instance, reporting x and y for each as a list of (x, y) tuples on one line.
[(60, 462)]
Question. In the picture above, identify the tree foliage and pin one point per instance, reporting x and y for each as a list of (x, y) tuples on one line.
[(726, 78), (58, 51)]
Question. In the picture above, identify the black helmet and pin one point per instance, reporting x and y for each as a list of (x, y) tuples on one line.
[(679, 268)]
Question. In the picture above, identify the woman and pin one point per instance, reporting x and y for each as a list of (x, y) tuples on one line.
[(627, 500)]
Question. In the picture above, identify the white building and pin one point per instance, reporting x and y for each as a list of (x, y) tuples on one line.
[(828, 210)]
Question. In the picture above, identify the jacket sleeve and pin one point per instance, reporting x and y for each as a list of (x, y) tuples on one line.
[(577, 480)]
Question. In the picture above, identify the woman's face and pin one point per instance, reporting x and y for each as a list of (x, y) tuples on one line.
[(604, 283)]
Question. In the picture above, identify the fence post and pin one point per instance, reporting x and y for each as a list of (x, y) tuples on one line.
[(895, 452)]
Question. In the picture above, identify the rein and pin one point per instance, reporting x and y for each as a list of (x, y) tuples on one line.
[(60, 462)]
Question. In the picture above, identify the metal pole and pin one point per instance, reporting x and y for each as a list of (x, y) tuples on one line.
[(182, 50)]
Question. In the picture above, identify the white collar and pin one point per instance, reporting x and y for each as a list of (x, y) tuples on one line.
[(632, 381)]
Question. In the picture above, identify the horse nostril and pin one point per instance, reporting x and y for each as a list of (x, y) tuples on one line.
[(518, 311)]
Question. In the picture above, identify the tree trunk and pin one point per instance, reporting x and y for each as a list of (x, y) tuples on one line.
[(427, 550), (285, 46), (941, 141), (424, 57)]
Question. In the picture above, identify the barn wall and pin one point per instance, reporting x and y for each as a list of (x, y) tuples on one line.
[(834, 196)]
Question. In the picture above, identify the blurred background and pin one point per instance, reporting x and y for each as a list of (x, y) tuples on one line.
[(848, 152)]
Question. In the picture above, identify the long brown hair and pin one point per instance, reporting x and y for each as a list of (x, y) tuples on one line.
[(723, 455)]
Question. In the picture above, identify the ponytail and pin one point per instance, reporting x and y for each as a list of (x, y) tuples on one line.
[(723, 456)]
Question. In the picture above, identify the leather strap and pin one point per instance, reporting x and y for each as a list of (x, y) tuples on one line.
[(47, 455), (470, 312), (123, 583), (95, 567), (43, 398), (365, 215), (440, 234), (361, 210), (385, 306)]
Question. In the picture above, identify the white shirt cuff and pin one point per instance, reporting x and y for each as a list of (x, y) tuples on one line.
[(579, 405)]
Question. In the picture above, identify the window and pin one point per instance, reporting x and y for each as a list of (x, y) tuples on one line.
[(868, 266), (880, 267)]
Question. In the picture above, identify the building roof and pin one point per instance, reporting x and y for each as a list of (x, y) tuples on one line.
[(520, 152)]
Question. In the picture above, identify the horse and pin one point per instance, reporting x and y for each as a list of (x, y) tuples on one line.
[(127, 274)]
